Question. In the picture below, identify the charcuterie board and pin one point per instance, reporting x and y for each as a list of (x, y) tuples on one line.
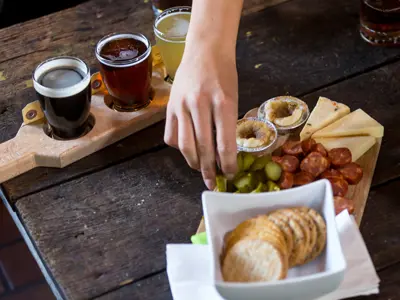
[(358, 193)]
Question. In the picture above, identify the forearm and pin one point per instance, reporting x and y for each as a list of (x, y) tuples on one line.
[(215, 23)]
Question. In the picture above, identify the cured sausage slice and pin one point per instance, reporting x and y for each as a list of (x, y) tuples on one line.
[(302, 178), (286, 180), (289, 163), (339, 156), (332, 173), (342, 203), (307, 145), (314, 163), (352, 172), (339, 186), (277, 159), (292, 148), (319, 148)]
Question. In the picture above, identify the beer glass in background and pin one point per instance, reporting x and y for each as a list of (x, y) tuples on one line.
[(62, 85), (170, 29), (380, 22), (126, 69), (160, 5)]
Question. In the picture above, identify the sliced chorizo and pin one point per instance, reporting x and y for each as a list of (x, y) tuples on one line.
[(289, 163), (331, 173), (292, 148), (286, 180), (314, 163), (339, 186), (340, 156), (342, 203), (302, 178), (277, 159), (318, 147), (352, 172), (307, 145)]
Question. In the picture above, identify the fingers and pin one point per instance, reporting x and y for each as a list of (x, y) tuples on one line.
[(225, 118), (186, 139), (202, 121), (171, 129)]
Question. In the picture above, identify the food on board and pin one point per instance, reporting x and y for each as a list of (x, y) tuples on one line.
[(355, 123), (254, 133), (331, 141), (265, 247), (284, 111), (324, 113), (358, 145)]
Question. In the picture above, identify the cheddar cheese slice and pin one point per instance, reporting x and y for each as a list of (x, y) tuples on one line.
[(356, 123), (357, 145), (324, 113)]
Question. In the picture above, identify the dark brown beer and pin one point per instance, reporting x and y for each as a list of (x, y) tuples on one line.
[(165, 4), (126, 68), (63, 87), (380, 21)]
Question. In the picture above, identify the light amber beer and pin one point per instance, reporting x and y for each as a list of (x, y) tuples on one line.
[(170, 29)]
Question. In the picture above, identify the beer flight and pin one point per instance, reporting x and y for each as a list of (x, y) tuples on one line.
[(63, 83)]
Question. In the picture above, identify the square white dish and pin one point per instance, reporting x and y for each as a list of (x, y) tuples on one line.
[(224, 211)]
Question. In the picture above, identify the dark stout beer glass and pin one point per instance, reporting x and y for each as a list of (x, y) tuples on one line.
[(62, 85), (380, 22), (125, 66)]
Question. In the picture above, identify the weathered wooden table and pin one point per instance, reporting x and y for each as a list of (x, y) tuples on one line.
[(99, 227)]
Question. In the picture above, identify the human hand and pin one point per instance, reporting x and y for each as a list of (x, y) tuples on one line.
[(205, 94)]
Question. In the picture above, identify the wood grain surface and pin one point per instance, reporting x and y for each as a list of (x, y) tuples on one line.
[(272, 60), (102, 229)]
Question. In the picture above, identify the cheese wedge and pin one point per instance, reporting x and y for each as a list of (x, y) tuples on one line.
[(357, 145), (356, 123), (324, 113)]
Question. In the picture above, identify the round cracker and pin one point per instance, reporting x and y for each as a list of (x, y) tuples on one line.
[(313, 232), (253, 260), (299, 237), (259, 223), (321, 232), (291, 214), (287, 231)]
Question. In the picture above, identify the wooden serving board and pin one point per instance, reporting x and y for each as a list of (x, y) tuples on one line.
[(358, 193), (32, 147)]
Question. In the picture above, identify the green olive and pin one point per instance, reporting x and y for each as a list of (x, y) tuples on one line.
[(260, 163), (273, 170), (248, 160)]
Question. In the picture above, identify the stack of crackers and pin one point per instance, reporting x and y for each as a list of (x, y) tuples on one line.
[(263, 248)]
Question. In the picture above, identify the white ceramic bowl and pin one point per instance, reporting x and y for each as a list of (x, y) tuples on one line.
[(224, 211)]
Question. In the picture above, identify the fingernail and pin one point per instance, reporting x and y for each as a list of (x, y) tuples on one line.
[(210, 184)]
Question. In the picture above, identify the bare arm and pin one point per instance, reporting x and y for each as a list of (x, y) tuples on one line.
[(205, 90)]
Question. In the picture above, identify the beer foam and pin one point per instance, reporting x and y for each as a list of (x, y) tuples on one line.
[(65, 62), (178, 30), (123, 64)]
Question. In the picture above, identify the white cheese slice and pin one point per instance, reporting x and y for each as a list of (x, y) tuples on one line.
[(357, 145), (324, 113), (356, 123)]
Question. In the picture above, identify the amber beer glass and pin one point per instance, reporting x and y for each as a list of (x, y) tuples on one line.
[(125, 67), (380, 22), (62, 85)]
